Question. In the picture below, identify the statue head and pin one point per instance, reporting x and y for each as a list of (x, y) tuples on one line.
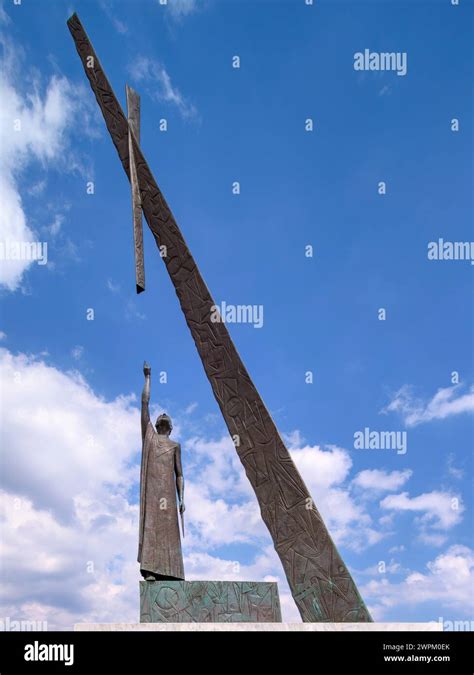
[(163, 424)]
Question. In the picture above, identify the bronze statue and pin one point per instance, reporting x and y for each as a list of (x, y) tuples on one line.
[(161, 477)]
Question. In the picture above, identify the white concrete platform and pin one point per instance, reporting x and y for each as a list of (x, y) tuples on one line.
[(270, 627)]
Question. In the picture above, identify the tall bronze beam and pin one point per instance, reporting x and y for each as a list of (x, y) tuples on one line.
[(133, 112), (321, 584)]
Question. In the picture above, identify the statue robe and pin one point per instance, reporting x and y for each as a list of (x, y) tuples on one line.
[(159, 543)]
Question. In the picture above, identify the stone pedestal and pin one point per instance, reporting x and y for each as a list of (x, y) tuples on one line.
[(432, 626), (209, 602)]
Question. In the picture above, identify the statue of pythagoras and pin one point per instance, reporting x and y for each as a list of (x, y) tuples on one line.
[(320, 582), (161, 477)]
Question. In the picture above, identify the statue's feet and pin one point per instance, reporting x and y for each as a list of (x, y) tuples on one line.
[(149, 577)]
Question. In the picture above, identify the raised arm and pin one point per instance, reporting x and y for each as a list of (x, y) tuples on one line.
[(146, 398), (179, 478)]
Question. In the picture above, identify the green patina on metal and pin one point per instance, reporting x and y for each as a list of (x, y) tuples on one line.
[(209, 602)]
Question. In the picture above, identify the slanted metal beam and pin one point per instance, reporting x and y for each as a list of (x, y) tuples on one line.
[(133, 112)]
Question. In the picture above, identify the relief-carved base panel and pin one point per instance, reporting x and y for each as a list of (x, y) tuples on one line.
[(209, 601)]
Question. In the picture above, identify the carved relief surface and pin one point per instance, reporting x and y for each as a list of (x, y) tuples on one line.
[(209, 601)]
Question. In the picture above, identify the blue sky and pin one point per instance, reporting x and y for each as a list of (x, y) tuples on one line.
[(412, 511)]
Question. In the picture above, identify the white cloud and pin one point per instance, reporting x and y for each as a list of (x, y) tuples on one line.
[(222, 505), (445, 403), (217, 471), (294, 439), (34, 129), (215, 522), (13, 227), (181, 8), (70, 573), (67, 471), (151, 72), (200, 565), (191, 408), (435, 539), (378, 480), (440, 510), (61, 439), (397, 549), (110, 10), (448, 581), (326, 473), (218, 466), (4, 18), (322, 468), (453, 470), (37, 188)]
